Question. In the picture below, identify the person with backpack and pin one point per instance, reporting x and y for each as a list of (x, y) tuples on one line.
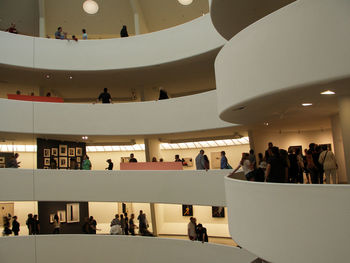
[(329, 163)]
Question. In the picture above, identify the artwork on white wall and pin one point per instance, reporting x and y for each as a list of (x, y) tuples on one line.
[(63, 150), (187, 162), (63, 162), (124, 159), (215, 160), (218, 211), (78, 151), (62, 215), (47, 152), (71, 152), (47, 161), (54, 152), (73, 214)]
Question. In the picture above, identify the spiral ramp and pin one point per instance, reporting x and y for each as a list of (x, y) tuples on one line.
[(263, 74)]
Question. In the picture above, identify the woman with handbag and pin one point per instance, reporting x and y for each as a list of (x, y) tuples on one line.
[(330, 166)]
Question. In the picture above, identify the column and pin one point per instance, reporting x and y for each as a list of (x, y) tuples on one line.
[(344, 120), (152, 149), (251, 140), (42, 30), (339, 148)]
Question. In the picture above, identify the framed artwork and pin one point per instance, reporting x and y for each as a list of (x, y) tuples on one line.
[(295, 148), (56, 159), (54, 152), (79, 151), (47, 161), (329, 146), (47, 153), (71, 152), (63, 150), (187, 210), (73, 214), (188, 162), (78, 159), (218, 211), (215, 160), (2, 159), (79, 165), (62, 216), (63, 162), (2, 165), (52, 218), (124, 159)]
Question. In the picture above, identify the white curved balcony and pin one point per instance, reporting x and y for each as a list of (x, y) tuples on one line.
[(106, 248), (184, 41), (231, 16), (290, 223), (171, 187), (138, 118), (283, 60)]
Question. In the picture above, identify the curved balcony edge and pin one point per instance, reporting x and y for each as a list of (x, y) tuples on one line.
[(184, 41), (288, 222)]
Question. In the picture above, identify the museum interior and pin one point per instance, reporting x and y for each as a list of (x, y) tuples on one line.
[(157, 111)]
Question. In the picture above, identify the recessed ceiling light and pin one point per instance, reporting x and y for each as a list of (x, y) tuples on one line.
[(266, 123), (185, 2), (70, 77), (307, 104), (47, 76), (85, 137), (90, 7), (327, 92)]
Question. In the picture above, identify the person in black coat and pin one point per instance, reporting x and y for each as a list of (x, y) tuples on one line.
[(124, 32), (15, 226), (201, 233)]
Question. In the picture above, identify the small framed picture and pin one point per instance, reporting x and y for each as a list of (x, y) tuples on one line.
[(79, 151), (63, 162), (54, 152), (78, 159), (47, 153), (62, 215), (2, 159), (52, 218), (187, 210), (218, 211), (63, 150), (79, 165), (73, 213), (71, 152), (47, 161)]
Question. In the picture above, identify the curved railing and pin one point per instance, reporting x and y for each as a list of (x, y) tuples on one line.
[(285, 59), (289, 222), (106, 248), (231, 16), (184, 41), (189, 113), (172, 187)]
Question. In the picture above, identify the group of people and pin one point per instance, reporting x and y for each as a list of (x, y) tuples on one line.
[(59, 34), (122, 225), (202, 161), (196, 232), (10, 227), (282, 166)]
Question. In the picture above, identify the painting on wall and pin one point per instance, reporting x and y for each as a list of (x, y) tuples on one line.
[(78, 159), (2, 159), (295, 148), (63, 162), (63, 150), (124, 159), (73, 215), (47, 161), (47, 153), (71, 152), (54, 152), (187, 210), (62, 215), (52, 218), (79, 151), (187, 162), (215, 160), (328, 145), (218, 211)]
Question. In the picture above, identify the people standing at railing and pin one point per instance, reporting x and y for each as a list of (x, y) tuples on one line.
[(85, 36), (293, 166), (132, 158), (191, 229), (163, 95), (124, 32), (110, 164), (15, 226), (252, 158), (12, 29), (59, 34), (177, 158), (105, 97), (86, 165), (223, 161), (200, 162), (154, 159), (13, 163), (247, 167), (277, 167), (330, 166), (206, 162)]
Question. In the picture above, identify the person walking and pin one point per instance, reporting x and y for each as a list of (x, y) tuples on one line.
[(223, 161), (330, 166)]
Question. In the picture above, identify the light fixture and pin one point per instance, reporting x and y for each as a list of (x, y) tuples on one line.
[(85, 137), (90, 7), (327, 92), (70, 77), (185, 2), (266, 123), (47, 76), (306, 104)]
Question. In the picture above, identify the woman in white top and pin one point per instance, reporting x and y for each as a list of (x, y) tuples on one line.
[(247, 167), (327, 159)]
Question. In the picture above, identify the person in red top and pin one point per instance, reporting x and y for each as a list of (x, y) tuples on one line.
[(12, 29)]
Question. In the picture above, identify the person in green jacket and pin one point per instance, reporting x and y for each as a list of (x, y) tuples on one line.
[(86, 163)]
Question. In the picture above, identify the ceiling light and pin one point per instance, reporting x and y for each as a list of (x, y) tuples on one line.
[(70, 77), (185, 2), (90, 7), (47, 76), (266, 123), (327, 92), (85, 137), (307, 104)]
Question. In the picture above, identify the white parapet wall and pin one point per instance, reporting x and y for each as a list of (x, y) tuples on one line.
[(106, 248), (290, 223)]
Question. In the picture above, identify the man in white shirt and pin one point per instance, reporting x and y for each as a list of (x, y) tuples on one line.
[(191, 229)]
